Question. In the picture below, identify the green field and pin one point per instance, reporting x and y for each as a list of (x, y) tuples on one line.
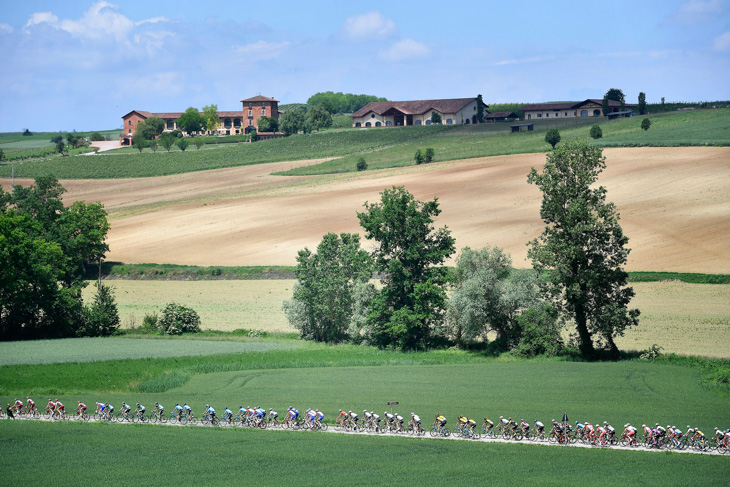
[(388, 147), (159, 455), (348, 377)]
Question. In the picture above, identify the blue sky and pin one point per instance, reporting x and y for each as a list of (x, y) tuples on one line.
[(83, 64)]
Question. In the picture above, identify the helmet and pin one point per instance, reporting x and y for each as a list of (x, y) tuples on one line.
[(501, 417), (605, 423), (657, 424), (627, 425), (270, 409), (643, 426), (340, 410), (349, 411), (185, 404), (207, 405), (157, 403), (80, 403), (137, 404), (412, 413), (176, 404), (316, 410)]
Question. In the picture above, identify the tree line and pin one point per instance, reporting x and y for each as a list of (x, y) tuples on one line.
[(577, 278), (341, 102)]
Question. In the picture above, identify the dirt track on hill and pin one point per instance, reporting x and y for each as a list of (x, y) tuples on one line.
[(674, 205)]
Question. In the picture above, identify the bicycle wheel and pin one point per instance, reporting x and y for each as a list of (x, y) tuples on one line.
[(434, 432), (445, 431)]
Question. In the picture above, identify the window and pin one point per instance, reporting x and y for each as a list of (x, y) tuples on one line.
[(250, 105), (418, 122), (367, 124), (378, 124), (388, 123), (428, 122), (566, 114), (449, 121), (539, 115), (596, 113), (130, 122), (250, 113), (584, 113), (357, 124), (263, 112), (250, 122), (547, 115), (170, 125), (372, 115), (130, 131), (529, 116)]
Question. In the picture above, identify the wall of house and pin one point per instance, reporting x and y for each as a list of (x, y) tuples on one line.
[(254, 110), (130, 123)]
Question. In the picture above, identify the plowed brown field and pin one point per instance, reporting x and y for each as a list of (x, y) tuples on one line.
[(674, 205)]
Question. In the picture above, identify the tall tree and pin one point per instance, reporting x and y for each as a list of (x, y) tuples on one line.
[(613, 94), (101, 318), (408, 312), (319, 118), (583, 248), (480, 109), (292, 121), (150, 128), (642, 103), (322, 305), (268, 124), (210, 117), (191, 121), (552, 137)]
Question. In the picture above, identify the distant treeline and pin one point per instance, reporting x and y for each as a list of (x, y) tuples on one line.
[(676, 105), (341, 102)]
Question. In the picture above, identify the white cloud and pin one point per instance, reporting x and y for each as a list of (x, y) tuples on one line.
[(404, 50), (656, 54), (695, 11), (38, 18), (370, 25), (722, 42), (261, 49), (6, 29), (153, 20), (507, 62)]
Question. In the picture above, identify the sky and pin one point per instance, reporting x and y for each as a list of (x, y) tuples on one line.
[(82, 65)]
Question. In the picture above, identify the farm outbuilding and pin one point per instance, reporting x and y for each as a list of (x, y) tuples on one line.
[(522, 127)]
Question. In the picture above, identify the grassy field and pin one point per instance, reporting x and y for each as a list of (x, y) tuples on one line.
[(691, 319), (162, 455), (389, 147)]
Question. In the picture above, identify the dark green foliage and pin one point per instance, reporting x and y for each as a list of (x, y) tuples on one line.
[(322, 305), (191, 121), (552, 137), (27, 133), (292, 121), (408, 312), (418, 157), (480, 109), (645, 124), (199, 142), (101, 318), (642, 103), (583, 247), (2, 154), (319, 118), (435, 117), (177, 319), (613, 94), (153, 145), (268, 124), (428, 155), (361, 164), (596, 132), (167, 140), (150, 127), (72, 139), (139, 141), (95, 137), (58, 138), (183, 144), (341, 102), (540, 330)]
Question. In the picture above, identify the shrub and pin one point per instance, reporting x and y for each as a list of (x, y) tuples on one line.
[(183, 144), (654, 351), (596, 132), (199, 143), (419, 158), (150, 323), (361, 164), (101, 318), (645, 124), (177, 319), (56, 139), (552, 137), (428, 155), (540, 332), (96, 137)]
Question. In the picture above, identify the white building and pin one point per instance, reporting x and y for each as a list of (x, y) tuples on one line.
[(416, 112)]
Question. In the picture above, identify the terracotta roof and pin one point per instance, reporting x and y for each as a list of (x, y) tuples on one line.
[(415, 107), (176, 115), (570, 105), (259, 98)]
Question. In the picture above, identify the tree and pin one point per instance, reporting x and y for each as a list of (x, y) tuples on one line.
[(645, 124), (292, 121), (642, 103), (418, 157), (319, 118), (614, 94), (582, 251), (61, 148), (552, 137), (210, 117), (322, 305), (540, 328), (150, 128), (487, 296), (268, 124), (435, 117), (95, 137), (199, 143), (167, 140), (84, 228), (177, 319), (183, 144), (408, 311), (428, 155), (191, 121), (102, 317), (2, 154), (71, 140), (153, 145), (27, 133), (361, 164), (56, 139), (139, 141), (341, 102), (480, 109), (596, 132)]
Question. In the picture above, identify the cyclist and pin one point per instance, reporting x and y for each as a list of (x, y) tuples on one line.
[(160, 410), (294, 413), (503, 423), (109, 410), (31, 405), (601, 434), (178, 411), (51, 408), (659, 432), (416, 419), (630, 433), (211, 412), (676, 435), (461, 422), (273, 416), (558, 430), (259, 413), (341, 418), (227, 415), (140, 410), (188, 410), (610, 430), (376, 419), (540, 427), (367, 417), (488, 424), (60, 408), (18, 406), (318, 417), (126, 408), (589, 430), (388, 418), (441, 422), (9, 410), (353, 418), (81, 409), (470, 424)]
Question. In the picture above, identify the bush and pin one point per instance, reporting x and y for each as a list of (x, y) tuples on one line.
[(552, 137), (177, 319), (596, 132), (56, 139), (96, 137), (540, 332), (645, 124), (419, 158), (150, 323), (361, 164), (428, 155), (183, 144), (199, 143)]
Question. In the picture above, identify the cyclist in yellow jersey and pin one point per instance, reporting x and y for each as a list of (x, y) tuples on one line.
[(441, 420)]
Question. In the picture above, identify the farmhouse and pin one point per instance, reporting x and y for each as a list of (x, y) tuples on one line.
[(231, 122), (591, 107), (416, 112)]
